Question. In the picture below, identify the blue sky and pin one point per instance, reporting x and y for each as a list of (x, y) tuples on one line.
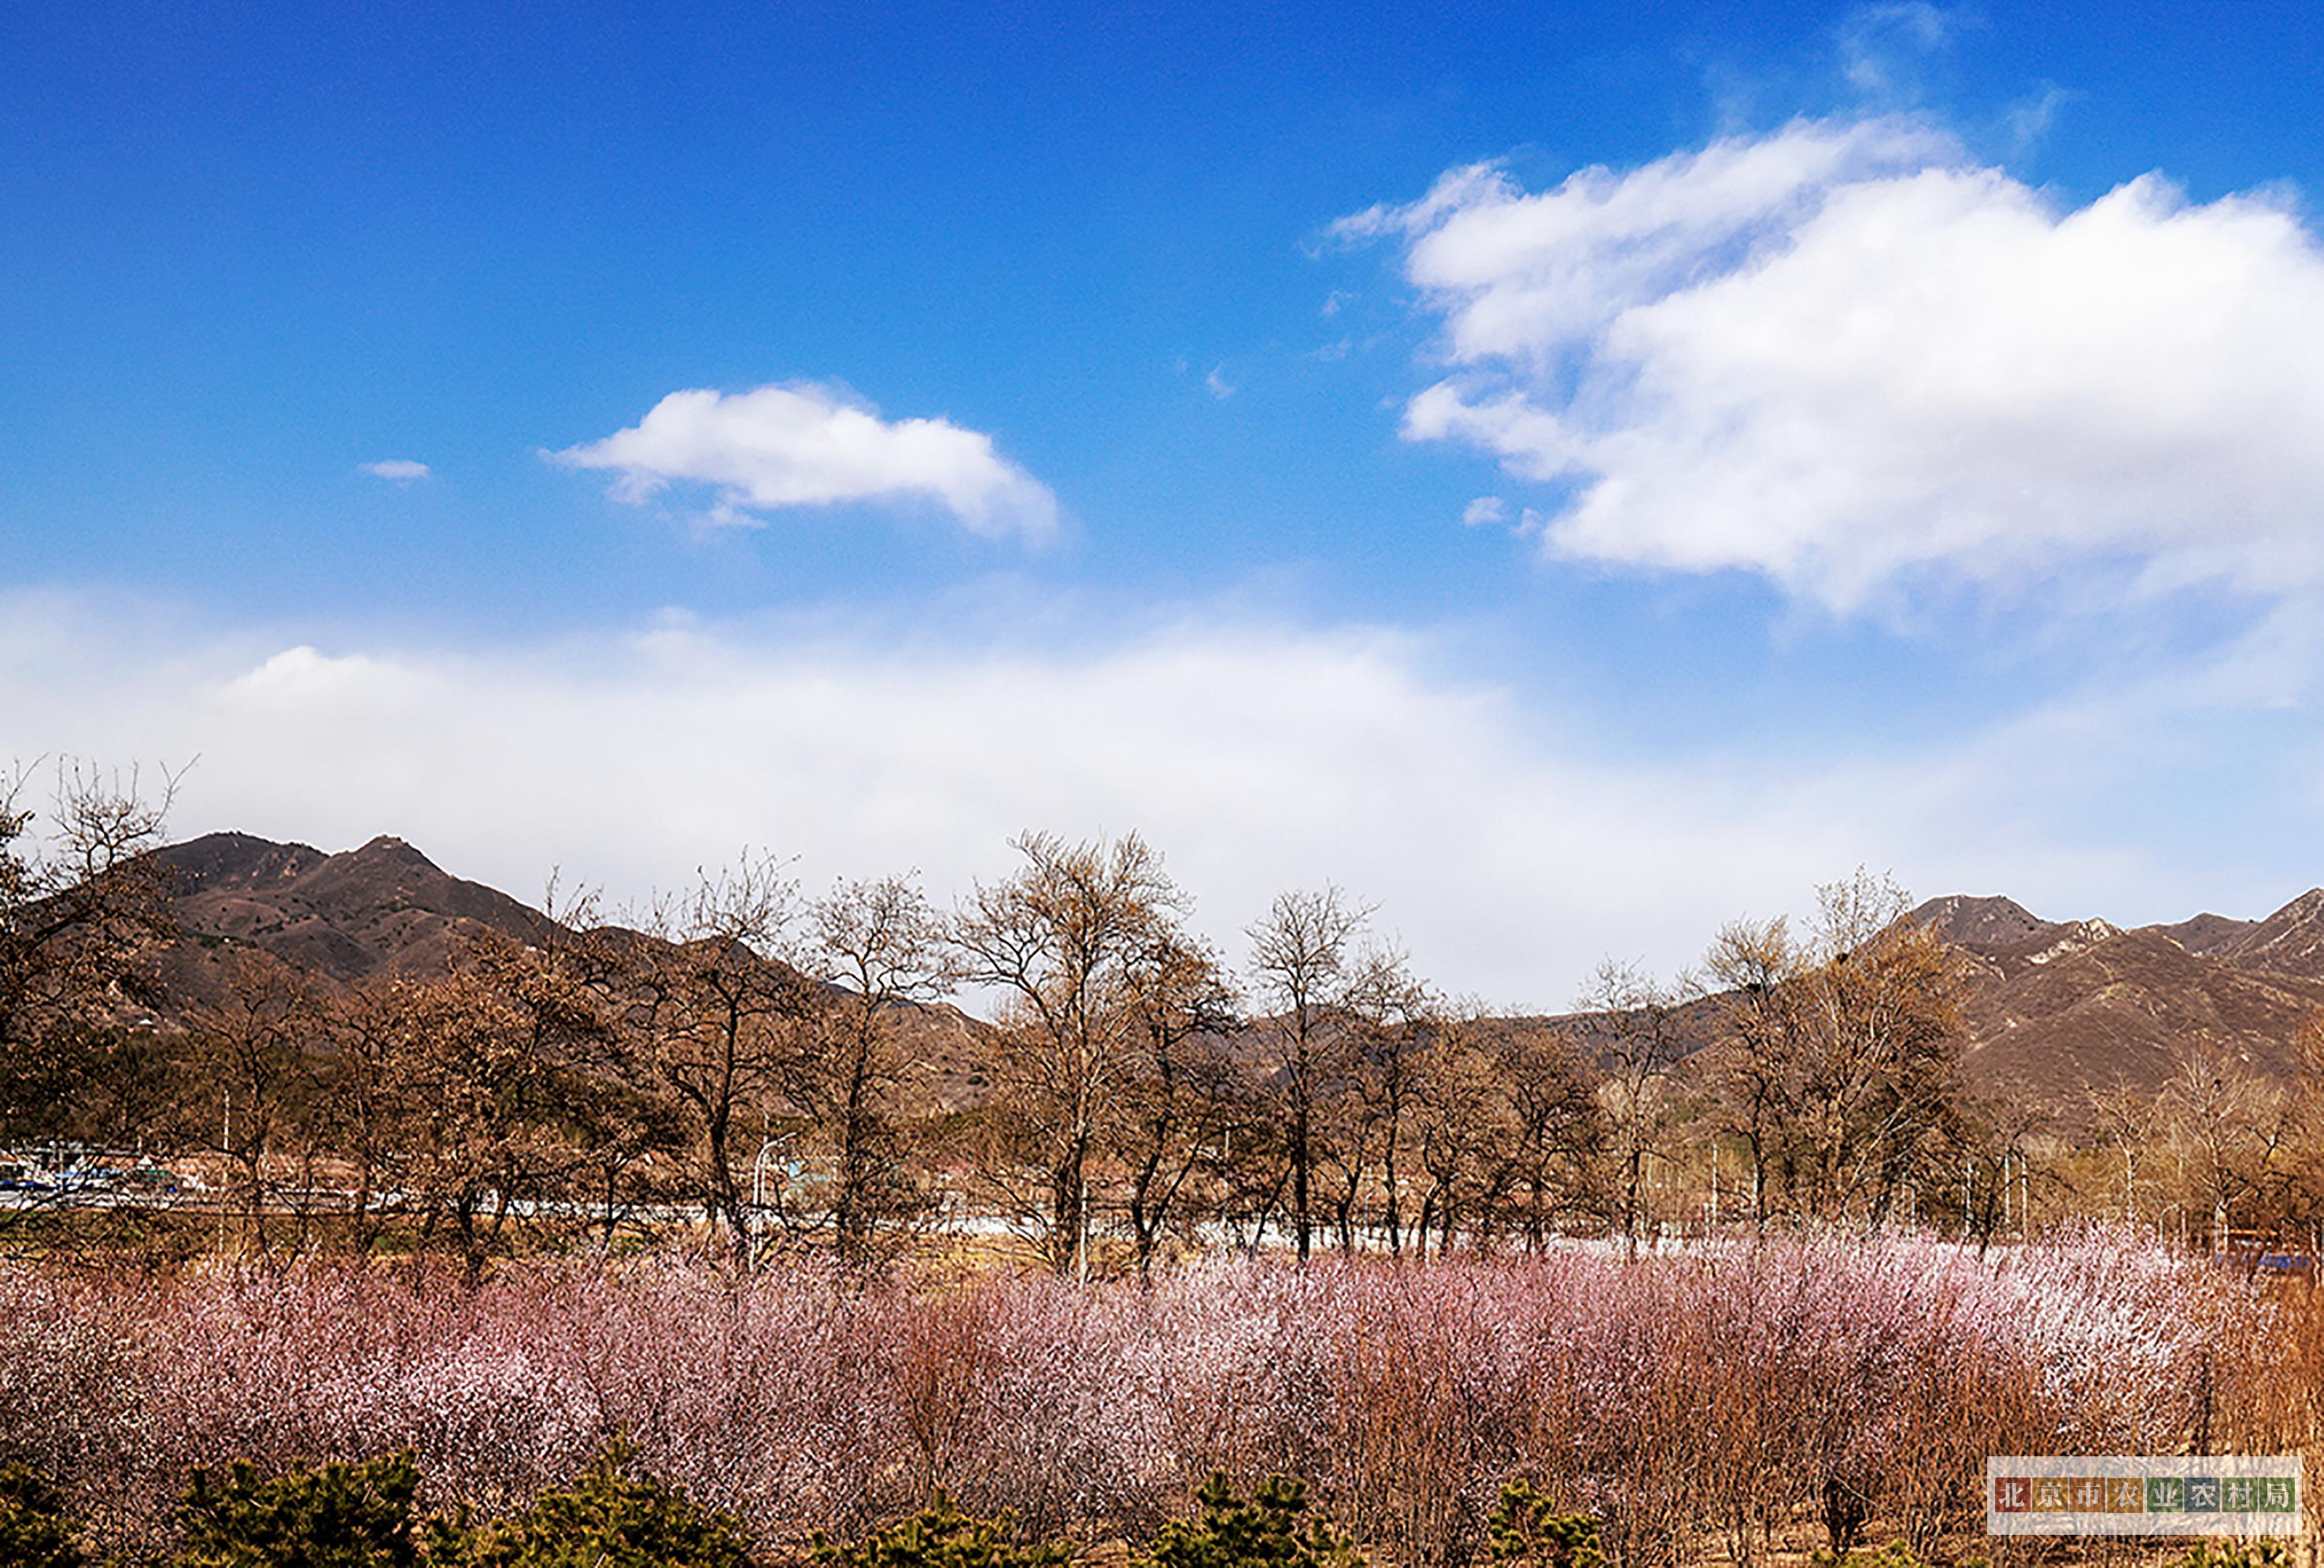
[(1893, 454)]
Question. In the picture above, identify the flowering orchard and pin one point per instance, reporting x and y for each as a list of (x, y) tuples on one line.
[(1737, 1401)]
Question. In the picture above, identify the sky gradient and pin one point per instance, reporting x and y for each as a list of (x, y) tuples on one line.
[(1569, 477)]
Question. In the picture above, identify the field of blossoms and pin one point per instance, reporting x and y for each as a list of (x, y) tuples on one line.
[(1735, 1403)]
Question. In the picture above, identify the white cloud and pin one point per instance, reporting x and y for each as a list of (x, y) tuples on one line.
[(401, 469), (1881, 46), (1510, 847), (1217, 385), (2028, 121), (807, 445), (1846, 356), (1484, 509)]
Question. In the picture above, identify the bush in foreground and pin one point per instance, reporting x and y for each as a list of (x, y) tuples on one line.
[(1527, 1531), (36, 1527), (610, 1516), (1272, 1530), (342, 1516), (364, 1516), (941, 1537)]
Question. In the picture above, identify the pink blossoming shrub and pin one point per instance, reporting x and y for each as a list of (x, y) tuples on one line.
[(1725, 1397)]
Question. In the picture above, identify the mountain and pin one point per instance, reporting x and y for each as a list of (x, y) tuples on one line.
[(385, 909), (2291, 941), (1964, 922), (2207, 934), (2055, 1008)]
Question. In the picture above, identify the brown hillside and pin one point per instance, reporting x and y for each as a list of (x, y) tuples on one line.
[(2291, 941), (383, 908), (1980, 923), (2053, 1016), (2052, 1007), (386, 909), (2205, 935)]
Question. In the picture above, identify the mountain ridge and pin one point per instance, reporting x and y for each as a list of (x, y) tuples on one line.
[(2053, 1008), (386, 910), (2058, 1008)]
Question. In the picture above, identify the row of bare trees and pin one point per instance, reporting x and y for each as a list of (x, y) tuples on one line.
[(599, 1079), (1140, 1099), (1331, 1097), (1827, 1062), (746, 1059), (593, 1077), (2224, 1150)]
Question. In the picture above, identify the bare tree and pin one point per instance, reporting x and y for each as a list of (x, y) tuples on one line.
[(471, 1103), (81, 906), (1842, 1068), (249, 1048), (713, 1011), (1183, 1095), (1560, 1127), (1633, 1030), (1463, 1130), (1886, 1095), (477, 1100), (1058, 940), (1387, 1012), (359, 1104), (1299, 957), (878, 946), (2296, 1189), (1756, 965), (2227, 1124), (2132, 1118)]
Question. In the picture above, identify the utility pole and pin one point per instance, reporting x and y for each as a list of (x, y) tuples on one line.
[(758, 1197), (1081, 1235)]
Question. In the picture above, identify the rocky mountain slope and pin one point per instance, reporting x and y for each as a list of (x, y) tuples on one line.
[(2055, 1006), (385, 909)]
